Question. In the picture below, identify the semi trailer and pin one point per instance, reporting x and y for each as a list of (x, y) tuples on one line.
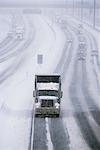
[(47, 95)]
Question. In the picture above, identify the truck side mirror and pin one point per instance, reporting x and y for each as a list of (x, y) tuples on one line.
[(34, 93), (61, 94)]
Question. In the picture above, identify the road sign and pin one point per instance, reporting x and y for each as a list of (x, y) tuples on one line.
[(40, 59)]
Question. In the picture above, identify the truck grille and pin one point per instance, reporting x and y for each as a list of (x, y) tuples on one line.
[(47, 103)]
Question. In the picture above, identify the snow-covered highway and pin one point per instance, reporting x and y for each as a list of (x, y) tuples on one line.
[(78, 127)]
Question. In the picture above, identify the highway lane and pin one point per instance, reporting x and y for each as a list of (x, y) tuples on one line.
[(10, 44), (92, 46), (37, 131), (5, 51), (63, 64), (14, 50), (82, 120), (89, 100), (93, 107), (67, 52), (58, 136), (94, 57), (21, 118), (80, 116), (94, 110), (40, 138), (5, 42)]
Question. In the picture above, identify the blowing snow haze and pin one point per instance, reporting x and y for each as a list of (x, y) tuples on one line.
[(45, 3), (33, 2)]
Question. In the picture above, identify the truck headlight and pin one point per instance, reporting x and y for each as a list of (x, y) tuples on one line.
[(37, 105), (57, 105)]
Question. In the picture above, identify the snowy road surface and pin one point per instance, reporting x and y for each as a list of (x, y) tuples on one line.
[(78, 127)]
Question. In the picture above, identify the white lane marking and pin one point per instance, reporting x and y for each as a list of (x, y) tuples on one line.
[(49, 142), (97, 70), (32, 130)]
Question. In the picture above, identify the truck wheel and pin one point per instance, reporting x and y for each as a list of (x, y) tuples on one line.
[(57, 115), (36, 115)]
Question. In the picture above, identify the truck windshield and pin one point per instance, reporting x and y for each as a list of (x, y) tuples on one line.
[(48, 93)]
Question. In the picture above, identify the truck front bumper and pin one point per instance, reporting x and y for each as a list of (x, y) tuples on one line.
[(47, 112)]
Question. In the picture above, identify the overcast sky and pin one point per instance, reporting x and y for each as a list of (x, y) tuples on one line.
[(31, 1)]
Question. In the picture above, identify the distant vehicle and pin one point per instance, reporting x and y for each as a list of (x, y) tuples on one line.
[(10, 34), (80, 29), (63, 26), (81, 38), (58, 18), (82, 45), (81, 56), (19, 32), (47, 95), (94, 53), (63, 21), (82, 52), (70, 40)]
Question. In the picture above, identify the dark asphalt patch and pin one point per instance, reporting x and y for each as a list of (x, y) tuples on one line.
[(89, 100), (39, 142), (87, 131), (58, 134), (81, 118)]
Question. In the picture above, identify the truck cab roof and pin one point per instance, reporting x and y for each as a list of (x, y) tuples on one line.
[(47, 78)]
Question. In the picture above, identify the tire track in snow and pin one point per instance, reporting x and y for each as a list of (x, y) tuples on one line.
[(8, 49), (80, 116), (59, 135), (89, 100), (86, 130), (95, 111), (5, 42), (49, 142), (12, 68)]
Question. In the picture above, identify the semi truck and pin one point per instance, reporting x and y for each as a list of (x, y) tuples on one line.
[(47, 95), (19, 32)]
